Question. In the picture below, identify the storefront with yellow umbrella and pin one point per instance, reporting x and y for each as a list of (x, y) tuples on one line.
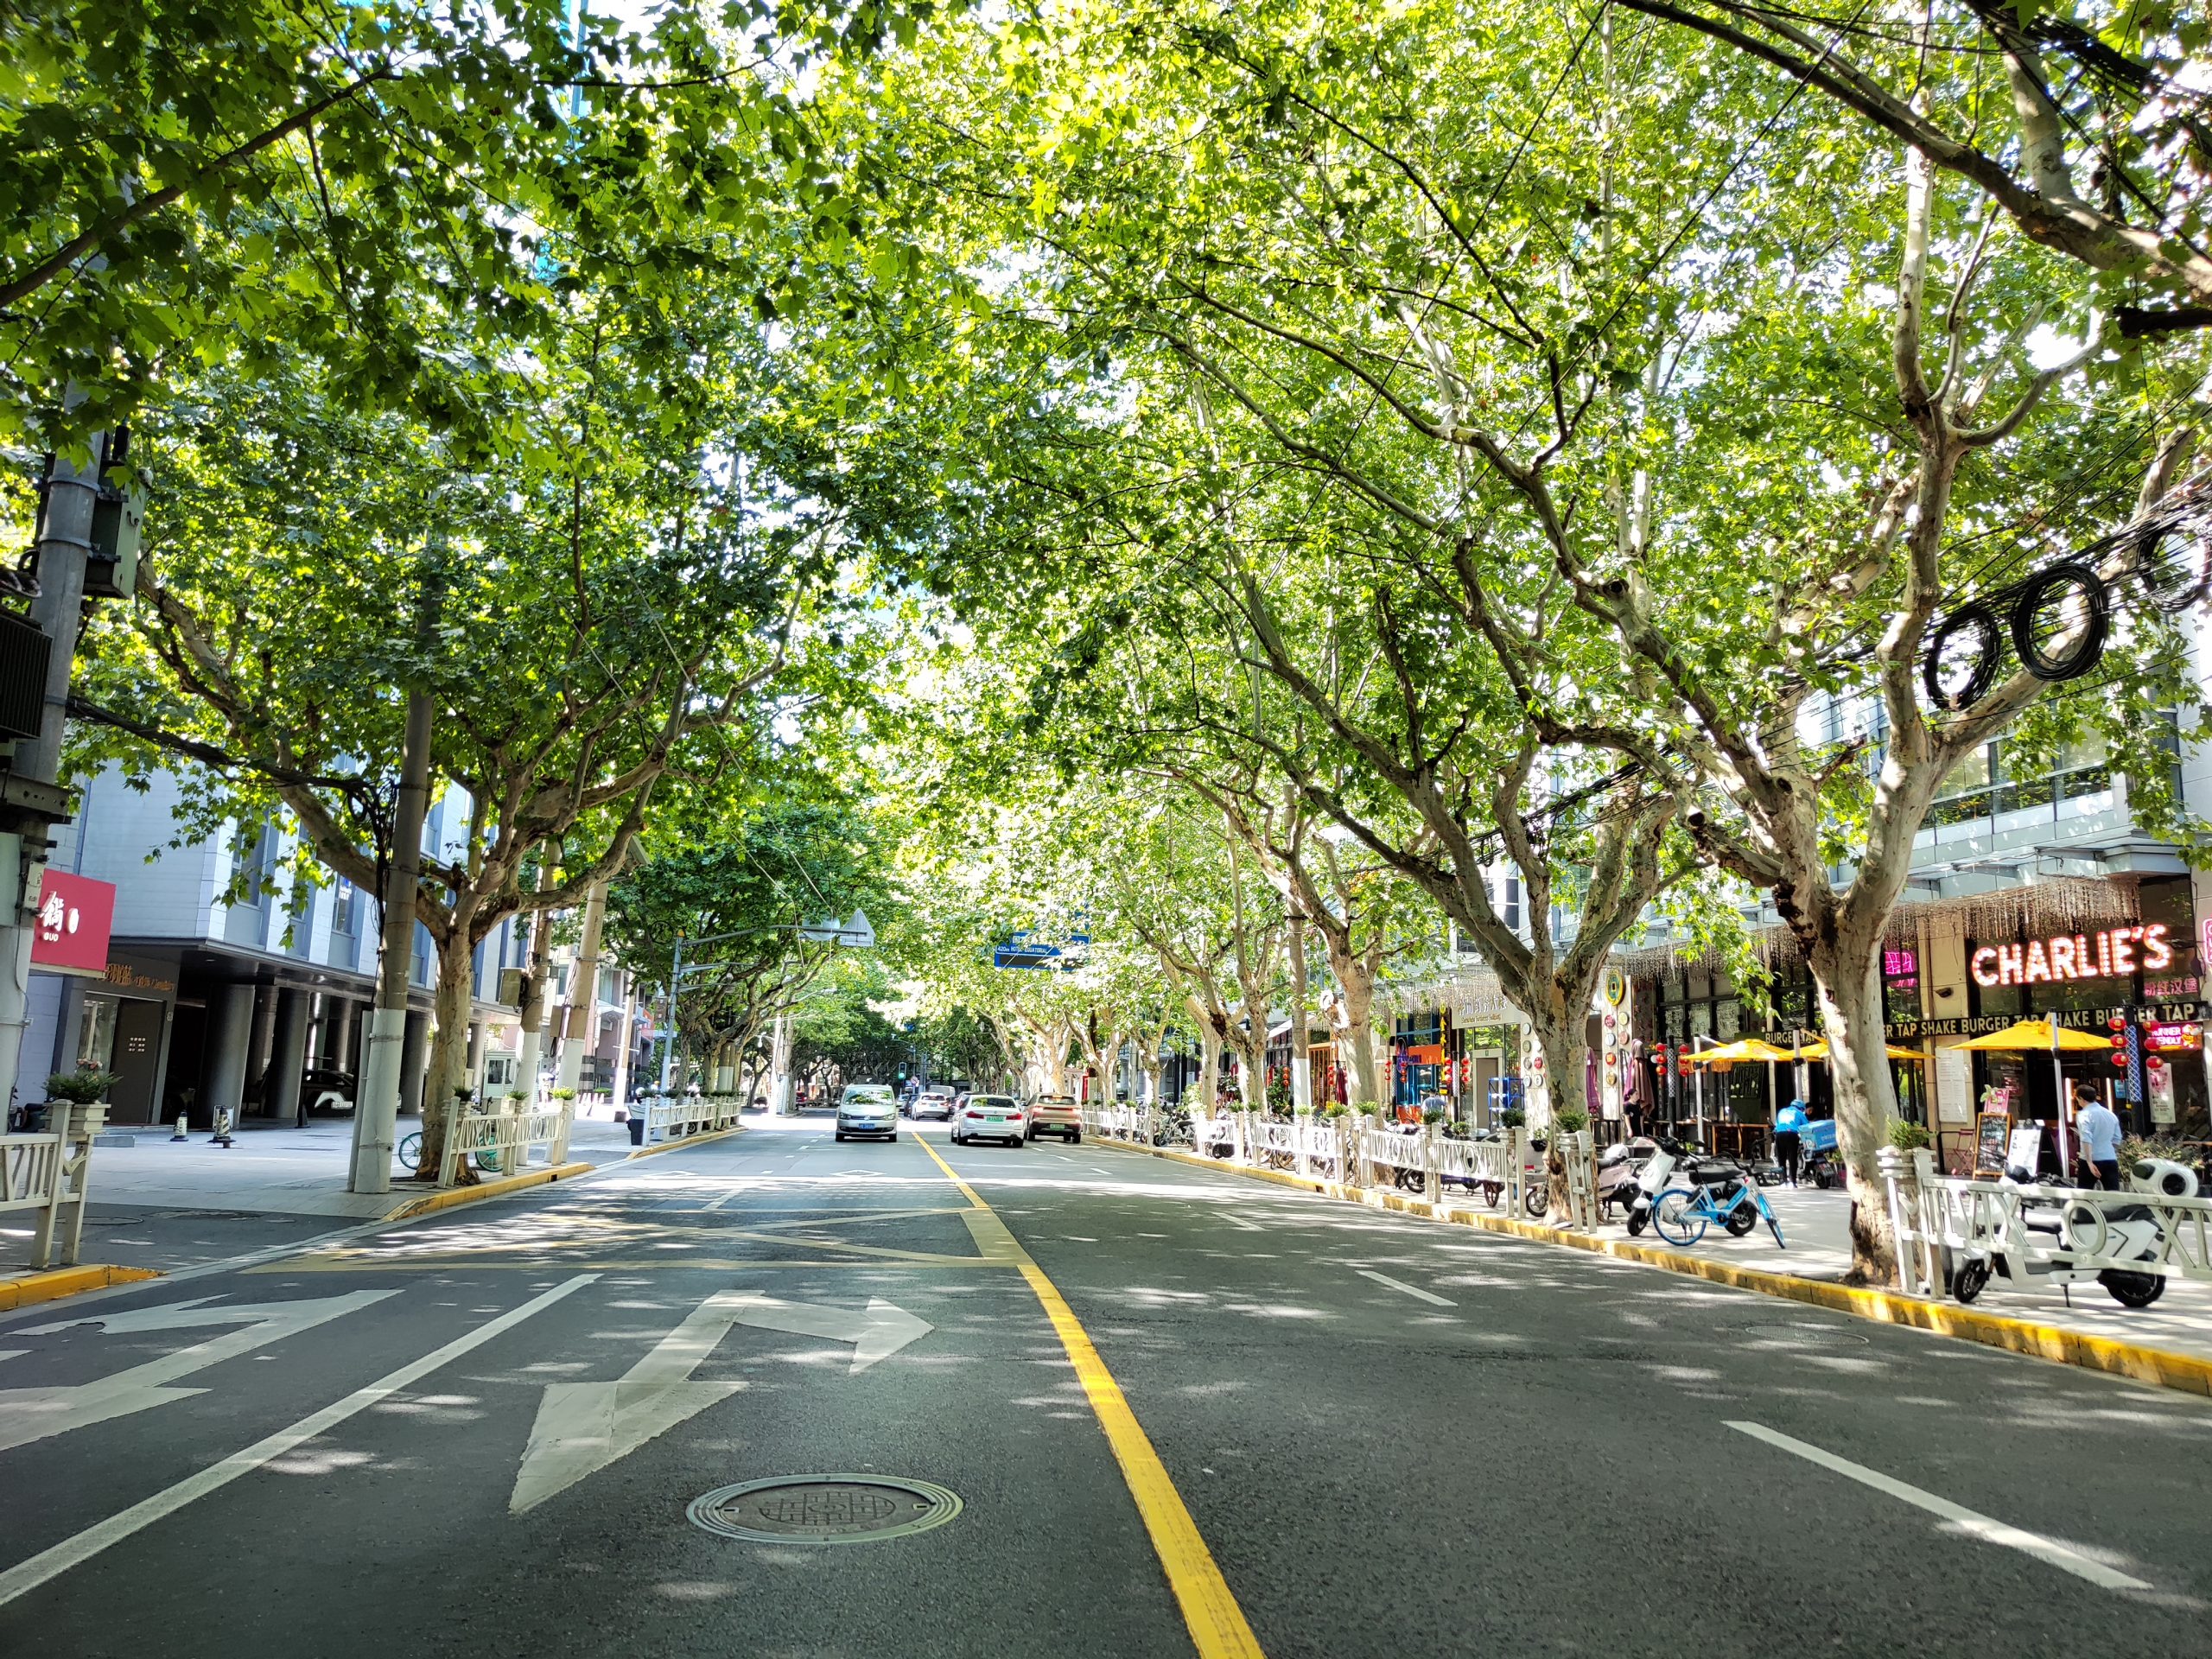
[(2037, 1090)]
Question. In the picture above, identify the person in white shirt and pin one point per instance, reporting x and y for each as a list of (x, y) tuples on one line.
[(2098, 1126)]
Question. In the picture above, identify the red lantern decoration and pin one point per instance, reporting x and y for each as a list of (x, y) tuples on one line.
[(2117, 1021), (2120, 1060)]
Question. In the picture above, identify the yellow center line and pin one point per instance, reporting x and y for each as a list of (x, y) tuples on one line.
[(1210, 1610)]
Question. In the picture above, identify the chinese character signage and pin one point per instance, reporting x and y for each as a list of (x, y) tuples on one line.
[(74, 919)]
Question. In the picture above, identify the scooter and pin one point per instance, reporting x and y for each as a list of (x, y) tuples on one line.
[(1650, 1182), (2130, 1231), (1618, 1166)]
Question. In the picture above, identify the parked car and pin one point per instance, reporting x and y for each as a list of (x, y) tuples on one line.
[(868, 1109), (991, 1117), (327, 1090), (936, 1101), (1056, 1115)]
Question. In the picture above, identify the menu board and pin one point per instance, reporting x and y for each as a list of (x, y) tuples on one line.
[(2025, 1151), (1990, 1129)]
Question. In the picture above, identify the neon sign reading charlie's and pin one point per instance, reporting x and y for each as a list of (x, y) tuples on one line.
[(2096, 955)]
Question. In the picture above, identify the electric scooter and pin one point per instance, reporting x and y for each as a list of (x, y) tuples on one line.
[(2130, 1231)]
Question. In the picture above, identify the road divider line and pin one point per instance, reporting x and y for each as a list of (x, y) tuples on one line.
[(1399, 1284), (1211, 1612), (1969, 1522), (27, 1575)]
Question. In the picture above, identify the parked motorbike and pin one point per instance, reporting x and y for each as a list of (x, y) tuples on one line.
[(1650, 1181), (1618, 1166), (2130, 1231)]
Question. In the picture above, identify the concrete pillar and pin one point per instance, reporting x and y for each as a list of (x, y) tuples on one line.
[(344, 1020), (257, 1053), (414, 1058), (229, 1035), (287, 1055)]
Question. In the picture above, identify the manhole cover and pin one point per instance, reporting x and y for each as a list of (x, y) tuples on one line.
[(823, 1509)]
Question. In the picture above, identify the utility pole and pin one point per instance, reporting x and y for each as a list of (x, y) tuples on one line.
[(32, 799), (375, 1117)]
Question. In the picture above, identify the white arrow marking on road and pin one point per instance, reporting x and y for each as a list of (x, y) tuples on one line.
[(27, 1415), (880, 1332), (583, 1427)]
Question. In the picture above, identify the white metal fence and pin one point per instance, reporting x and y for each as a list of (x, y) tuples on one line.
[(1358, 1151), (499, 1139), (50, 1173), (1943, 1221), (671, 1115)]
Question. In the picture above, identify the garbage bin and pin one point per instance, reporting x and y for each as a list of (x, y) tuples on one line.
[(637, 1129)]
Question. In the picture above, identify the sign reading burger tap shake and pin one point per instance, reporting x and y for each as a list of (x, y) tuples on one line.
[(2114, 952)]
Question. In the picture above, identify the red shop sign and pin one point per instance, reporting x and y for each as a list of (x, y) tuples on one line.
[(2171, 1036), (75, 917)]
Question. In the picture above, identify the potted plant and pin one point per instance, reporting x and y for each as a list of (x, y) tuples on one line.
[(1907, 1137), (80, 1087)]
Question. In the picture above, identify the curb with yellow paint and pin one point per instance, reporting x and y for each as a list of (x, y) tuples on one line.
[(431, 1202), (28, 1289), (684, 1141), (2162, 1367)]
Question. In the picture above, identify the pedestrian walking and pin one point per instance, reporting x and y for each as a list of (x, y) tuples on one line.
[(2097, 1127), (1788, 1124)]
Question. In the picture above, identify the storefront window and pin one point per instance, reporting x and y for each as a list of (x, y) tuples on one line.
[(1900, 983)]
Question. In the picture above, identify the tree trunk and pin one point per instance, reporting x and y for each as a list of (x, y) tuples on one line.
[(1209, 1089), (1356, 1024), (1846, 976), (449, 1051), (1301, 1070), (584, 996)]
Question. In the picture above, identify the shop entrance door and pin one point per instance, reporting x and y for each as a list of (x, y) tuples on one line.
[(135, 1059)]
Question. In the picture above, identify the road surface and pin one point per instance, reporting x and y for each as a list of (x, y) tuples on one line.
[(1182, 1413)]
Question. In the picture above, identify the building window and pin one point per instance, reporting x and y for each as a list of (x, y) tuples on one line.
[(341, 908)]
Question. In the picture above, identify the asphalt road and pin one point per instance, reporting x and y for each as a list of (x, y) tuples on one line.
[(1394, 1438)]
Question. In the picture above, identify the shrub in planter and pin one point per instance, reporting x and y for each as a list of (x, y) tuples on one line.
[(1337, 1108), (81, 1088), (1571, 1122), (1907, 1137), (1433, 1114), (564, 1094), (1514, 1117)]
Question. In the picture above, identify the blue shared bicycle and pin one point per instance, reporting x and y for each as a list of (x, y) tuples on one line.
[(1721, 1192)]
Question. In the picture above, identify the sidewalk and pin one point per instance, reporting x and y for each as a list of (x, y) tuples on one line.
[(168, 1206), (1816, 1228)]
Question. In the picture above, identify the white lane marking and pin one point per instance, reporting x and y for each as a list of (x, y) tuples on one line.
[(1399, 1284), (717, 1204), (52, 1562), (27, 1415), (1239, 1221), (1960, 1519)]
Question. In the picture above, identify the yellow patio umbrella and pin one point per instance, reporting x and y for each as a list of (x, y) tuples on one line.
[(1818, 1050), (1743, 1048), (2044, 1037), (2034, 1037)]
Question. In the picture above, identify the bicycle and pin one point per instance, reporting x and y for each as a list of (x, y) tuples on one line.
[(410, 1152), (1681, 1215)]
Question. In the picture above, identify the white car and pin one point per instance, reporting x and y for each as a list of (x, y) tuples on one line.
[(868, 1109), (991, 1117), (936, 1101)]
